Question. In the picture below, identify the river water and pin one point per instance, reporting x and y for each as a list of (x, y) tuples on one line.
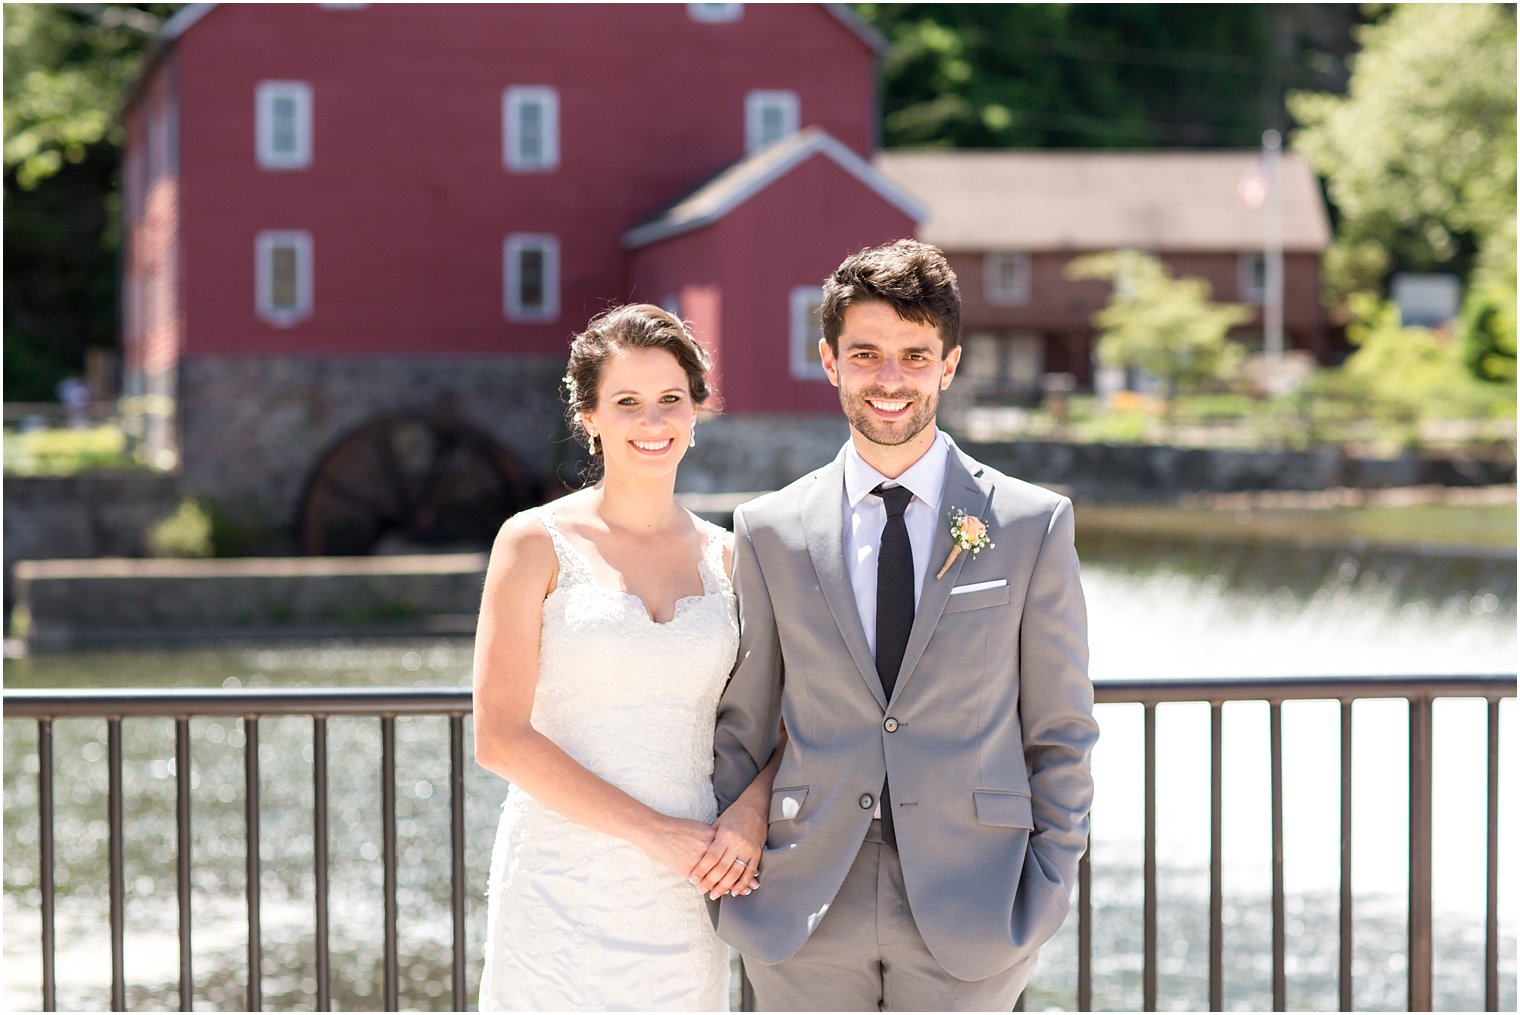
[(1156, 609)]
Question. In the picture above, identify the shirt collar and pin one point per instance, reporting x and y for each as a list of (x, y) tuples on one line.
[(925, 477)]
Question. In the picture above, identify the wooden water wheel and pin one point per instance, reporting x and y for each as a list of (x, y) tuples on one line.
[(410, 482)]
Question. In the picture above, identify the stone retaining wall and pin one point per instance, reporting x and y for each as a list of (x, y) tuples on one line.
[(73, 604), (1118, 472)]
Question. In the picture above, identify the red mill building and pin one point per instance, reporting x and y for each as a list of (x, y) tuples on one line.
[(359, 237)]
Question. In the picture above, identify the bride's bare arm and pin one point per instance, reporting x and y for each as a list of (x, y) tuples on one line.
[(521, 573)]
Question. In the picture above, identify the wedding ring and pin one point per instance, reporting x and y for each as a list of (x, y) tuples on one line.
[(741, 863)]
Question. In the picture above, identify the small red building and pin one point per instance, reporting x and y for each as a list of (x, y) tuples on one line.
[(358, 237)]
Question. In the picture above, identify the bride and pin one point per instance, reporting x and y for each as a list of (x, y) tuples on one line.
[(607, 631)]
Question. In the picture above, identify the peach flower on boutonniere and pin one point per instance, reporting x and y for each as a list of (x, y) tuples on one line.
[(969, 533)]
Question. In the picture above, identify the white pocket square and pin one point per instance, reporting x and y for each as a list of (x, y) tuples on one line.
[(978, 586)]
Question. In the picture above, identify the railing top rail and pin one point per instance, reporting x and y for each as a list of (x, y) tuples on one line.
[(173, 701), (1345, 688), (187, 701)]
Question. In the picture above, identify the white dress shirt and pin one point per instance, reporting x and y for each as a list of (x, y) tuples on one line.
[(865, 516)]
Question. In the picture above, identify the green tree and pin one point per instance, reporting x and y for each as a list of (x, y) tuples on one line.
[(1163, 325), (1405, 375), (1097, 75), (67, 69), (1420, 153)]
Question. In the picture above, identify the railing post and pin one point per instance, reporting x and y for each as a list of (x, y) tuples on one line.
[(1084, 925), (388, 822), (1491, 923), (252, 865), (46, 859), (320, 859), (117, 863), (1279, 918), (456, 841), (1419, 853), (1216, 856), (182, 859), (1347, 928), (1148, 968)]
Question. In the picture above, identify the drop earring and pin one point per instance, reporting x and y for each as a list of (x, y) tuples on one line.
[(693, 438), (591, 443)]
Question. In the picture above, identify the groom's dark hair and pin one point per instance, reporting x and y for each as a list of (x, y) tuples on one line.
[(912, 278)]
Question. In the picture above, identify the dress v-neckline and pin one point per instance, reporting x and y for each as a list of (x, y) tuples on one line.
[(633, 598)]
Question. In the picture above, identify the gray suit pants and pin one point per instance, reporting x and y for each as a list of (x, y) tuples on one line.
[(867, 955)]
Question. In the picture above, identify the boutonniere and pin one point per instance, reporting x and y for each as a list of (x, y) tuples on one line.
[(969, 533)]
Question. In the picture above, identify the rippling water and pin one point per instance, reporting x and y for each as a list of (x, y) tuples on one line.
[(1156, 610)]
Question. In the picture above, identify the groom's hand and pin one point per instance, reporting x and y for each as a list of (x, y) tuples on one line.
[(731, 865)]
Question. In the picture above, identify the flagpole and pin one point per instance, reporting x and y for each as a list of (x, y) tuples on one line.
[(1272, 310)]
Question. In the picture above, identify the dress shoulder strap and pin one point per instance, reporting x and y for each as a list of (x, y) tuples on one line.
[(716, 538), (572, 564)]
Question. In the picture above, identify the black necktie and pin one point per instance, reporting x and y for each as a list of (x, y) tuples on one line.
[(894, 587), (894, 611)]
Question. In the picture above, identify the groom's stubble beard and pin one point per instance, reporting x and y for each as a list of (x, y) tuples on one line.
[(859, 415)]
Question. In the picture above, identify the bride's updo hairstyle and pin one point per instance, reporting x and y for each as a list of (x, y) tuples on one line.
[(632, 326)]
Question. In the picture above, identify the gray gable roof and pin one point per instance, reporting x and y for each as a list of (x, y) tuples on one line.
[(751, 175), (1101, 200)]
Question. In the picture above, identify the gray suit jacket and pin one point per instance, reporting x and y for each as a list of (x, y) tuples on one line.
[(989, 754)]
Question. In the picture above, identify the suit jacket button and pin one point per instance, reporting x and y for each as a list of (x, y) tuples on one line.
[(890, 725), (867, 801)]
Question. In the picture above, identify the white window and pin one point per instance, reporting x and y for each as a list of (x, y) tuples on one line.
[(715, 12), (768, 116), (806, 331), (282, 276), (1253, 277), (284, 124), (532, 277), (530, 129), (1007, 280)]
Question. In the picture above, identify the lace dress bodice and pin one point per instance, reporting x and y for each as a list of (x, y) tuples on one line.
[(578, 919), (631, 699)]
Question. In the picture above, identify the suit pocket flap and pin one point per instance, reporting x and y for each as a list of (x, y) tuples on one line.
[(1009, 809), (786, 803)]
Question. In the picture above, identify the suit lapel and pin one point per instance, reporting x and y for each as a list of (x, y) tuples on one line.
[(964, 490), (822, 523)]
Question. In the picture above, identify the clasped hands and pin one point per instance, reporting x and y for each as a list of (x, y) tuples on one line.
[(718, 859)]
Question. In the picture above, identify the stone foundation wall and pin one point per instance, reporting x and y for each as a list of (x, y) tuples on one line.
[(95, 514), (759, 452), (252, 429)]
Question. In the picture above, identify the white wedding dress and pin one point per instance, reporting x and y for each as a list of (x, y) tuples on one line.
[(579, 920)]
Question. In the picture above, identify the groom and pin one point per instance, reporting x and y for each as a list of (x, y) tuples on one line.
[(932, 800)]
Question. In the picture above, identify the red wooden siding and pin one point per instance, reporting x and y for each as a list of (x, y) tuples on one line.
[(406, 198)]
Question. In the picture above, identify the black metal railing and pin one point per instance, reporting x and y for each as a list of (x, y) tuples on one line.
[(387, 704)]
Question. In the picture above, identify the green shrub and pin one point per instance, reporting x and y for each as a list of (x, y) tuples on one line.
[(64, 452), (187, 533)]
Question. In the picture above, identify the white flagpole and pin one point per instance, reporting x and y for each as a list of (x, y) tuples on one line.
[(1272, 311)]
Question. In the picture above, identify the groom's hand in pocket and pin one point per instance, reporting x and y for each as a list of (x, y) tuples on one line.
[(731, 865)]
